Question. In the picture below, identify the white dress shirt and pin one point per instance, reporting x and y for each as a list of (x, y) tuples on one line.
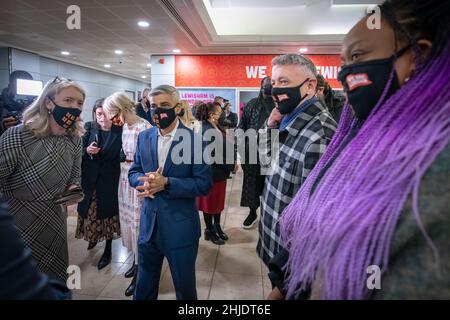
[(164, 143)]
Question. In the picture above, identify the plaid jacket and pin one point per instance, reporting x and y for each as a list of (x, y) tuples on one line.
[(301, 145), (32, 172)]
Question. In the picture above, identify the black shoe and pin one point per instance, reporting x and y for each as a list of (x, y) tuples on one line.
[(211, 235), (130, 273), (91, 245), (222, 235), (104, 260), (132, 287), (250, 221)]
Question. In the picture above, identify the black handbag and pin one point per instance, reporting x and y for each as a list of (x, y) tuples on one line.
[(123, 156)]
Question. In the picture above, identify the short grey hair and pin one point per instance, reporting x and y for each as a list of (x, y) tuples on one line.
[(295, 59), (166, 89)]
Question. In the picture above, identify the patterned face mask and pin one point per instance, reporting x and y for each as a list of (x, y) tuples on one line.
[(65, 117)]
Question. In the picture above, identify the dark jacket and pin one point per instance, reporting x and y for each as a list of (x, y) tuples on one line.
[(19, 277), (232, 120), (101, 173), (140, 112), (1, 119), (334, 103), (221, 171), (12, 107), (254, 115)]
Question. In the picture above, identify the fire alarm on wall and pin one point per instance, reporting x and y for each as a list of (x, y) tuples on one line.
[(161, 61)]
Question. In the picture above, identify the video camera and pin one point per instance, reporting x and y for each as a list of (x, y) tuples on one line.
[(17, 115), (25, 93)]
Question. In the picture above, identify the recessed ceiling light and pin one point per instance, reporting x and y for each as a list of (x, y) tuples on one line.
[(118, 52), (144, 77), (107, 66), (143, 24), (65, 53), (303, 50), (176, 50), (149, 64), (351, 5)]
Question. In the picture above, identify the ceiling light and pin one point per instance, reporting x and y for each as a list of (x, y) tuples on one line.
[(149, 64), (65, 53), (352, 3), (231, 4), (351, 6), (143, 24), (107, 66), (176, 50), (118, 52), (303, 50), (144, 77)]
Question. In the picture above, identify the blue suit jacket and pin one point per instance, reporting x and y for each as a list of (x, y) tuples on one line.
[(173, 213)]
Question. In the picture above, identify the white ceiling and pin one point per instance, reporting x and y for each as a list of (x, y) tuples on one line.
[(255, 3), (284, 17), (193, 26)]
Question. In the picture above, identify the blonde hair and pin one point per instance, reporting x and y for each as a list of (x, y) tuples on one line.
[(147, 89), (188, 117), (36, 118), (119, 103)]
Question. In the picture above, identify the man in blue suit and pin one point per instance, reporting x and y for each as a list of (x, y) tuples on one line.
[(170, 224)]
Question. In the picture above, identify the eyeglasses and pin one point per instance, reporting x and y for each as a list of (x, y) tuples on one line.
[(52, 100), (58, 79), (114, 117)]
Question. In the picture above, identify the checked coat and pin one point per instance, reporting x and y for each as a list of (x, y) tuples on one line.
[(32, 171), (301, 144)]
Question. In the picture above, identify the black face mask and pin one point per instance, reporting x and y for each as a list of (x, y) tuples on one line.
[(365, 82), (288, 98), (65, 117), (164, 117), (222, 120)]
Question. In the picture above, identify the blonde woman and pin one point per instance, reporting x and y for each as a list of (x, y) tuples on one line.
[(40, 159), (120, 106), (187, 117)]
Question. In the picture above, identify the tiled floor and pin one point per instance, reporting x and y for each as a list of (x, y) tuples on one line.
[(230, 272)]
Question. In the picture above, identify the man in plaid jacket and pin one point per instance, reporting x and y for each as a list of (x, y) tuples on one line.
[(305, 128)]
